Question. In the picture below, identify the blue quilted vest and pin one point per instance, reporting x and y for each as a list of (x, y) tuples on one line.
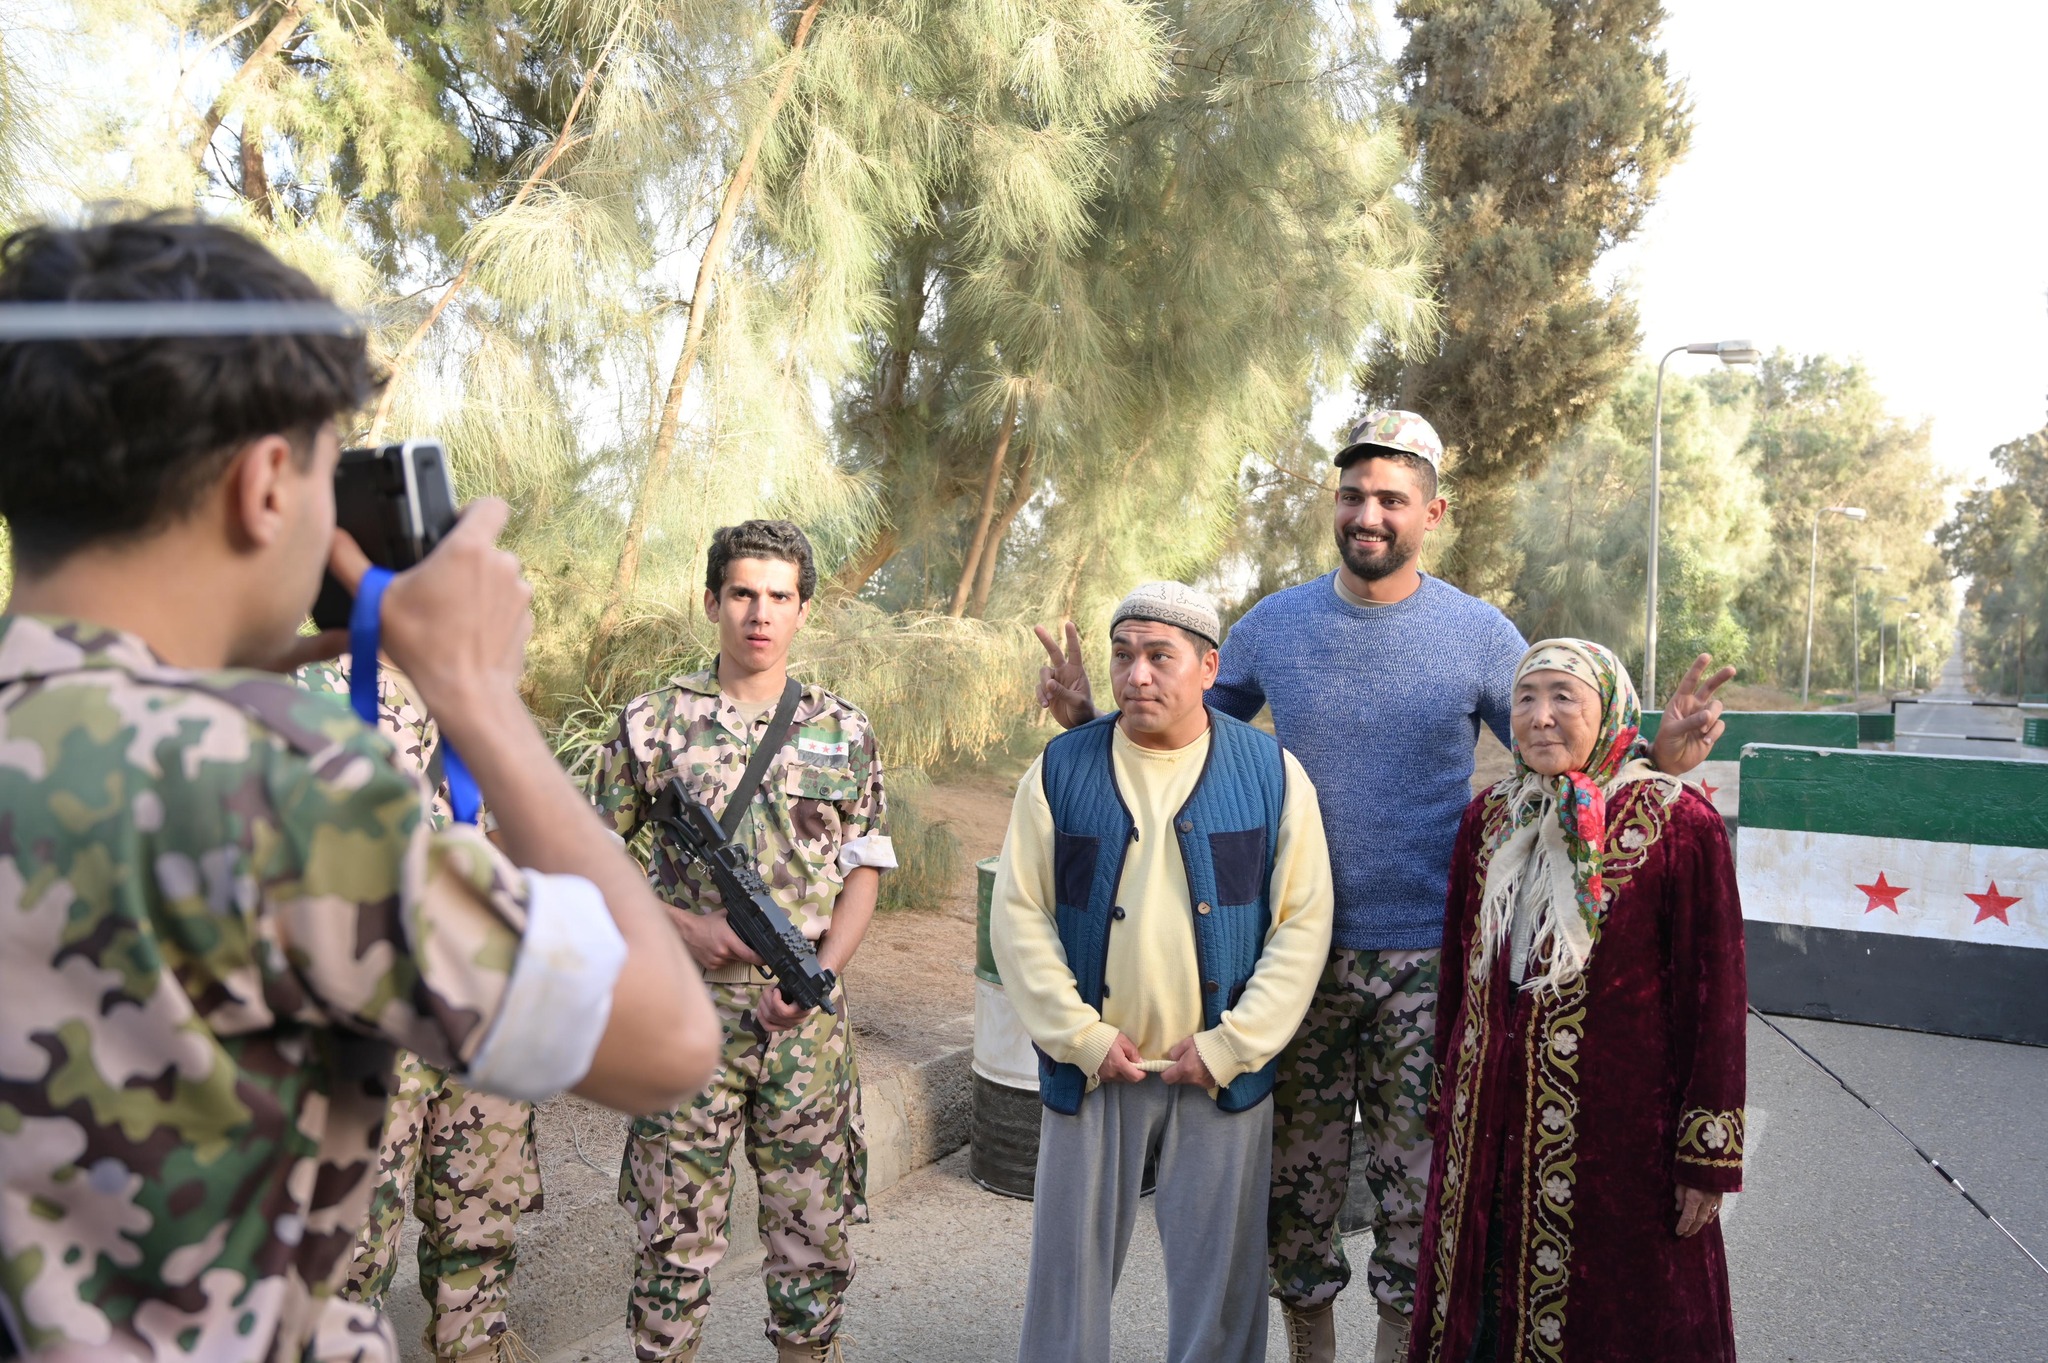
[(1227, 831)]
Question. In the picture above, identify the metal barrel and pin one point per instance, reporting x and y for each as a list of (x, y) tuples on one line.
[(1002, 1137)]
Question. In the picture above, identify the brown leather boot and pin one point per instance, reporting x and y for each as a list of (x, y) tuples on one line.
[(1311, 1335), (1392, 1345), (817, 1351)]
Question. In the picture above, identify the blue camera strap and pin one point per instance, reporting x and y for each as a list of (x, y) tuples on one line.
[(365, 627)]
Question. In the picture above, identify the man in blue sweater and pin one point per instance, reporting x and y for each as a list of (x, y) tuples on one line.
[(1378, 677)]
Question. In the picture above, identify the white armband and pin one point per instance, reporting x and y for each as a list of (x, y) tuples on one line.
[(559, 999), (869, 849)]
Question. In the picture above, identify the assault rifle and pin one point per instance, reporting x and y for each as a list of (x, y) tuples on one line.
[(756, 919)]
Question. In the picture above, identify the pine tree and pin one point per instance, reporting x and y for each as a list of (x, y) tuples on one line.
[(1093, 367), (1544, 128)]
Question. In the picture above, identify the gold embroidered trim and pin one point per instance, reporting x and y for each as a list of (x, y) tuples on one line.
[(1549, 1172), (1633, 828), (1713, 1139)]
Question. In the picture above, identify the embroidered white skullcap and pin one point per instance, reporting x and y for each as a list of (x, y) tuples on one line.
[(1173, 603)]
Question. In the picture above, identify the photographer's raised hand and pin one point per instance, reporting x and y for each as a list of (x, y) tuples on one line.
[(457, 624)]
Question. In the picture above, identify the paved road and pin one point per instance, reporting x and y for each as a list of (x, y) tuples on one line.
[(1948, 714), (1845, 1246)]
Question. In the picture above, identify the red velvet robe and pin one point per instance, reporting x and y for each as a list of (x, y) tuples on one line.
[(1582, 1114)]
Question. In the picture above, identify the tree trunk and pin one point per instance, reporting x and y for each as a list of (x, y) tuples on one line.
[(563, 141), (895, 371), (265, 50), (971, 565), (856, 573), (1020, 493), (665, 435), (255, 175)]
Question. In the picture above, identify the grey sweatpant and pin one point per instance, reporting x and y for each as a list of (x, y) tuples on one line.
[(1214, 1179)]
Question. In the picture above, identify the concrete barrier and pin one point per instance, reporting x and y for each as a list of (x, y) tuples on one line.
[(1897, 889), (1720, 777)]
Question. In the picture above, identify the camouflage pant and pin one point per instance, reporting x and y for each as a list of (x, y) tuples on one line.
[(1366, 1044), (468, 1160), (792, 1099)]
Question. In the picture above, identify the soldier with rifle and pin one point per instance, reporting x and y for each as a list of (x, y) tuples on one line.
[(765, 804)]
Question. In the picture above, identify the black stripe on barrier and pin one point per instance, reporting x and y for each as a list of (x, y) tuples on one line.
[(1921, 984)]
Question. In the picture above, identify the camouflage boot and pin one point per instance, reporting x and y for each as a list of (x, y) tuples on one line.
[(1392, 1345), (1311, 1334), (817, 1351)]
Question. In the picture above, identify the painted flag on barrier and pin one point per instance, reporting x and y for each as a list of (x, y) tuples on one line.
[(1719, 777), (1897, 888)]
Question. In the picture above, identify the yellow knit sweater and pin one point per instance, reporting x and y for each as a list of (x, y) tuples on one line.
[(1153, 985)]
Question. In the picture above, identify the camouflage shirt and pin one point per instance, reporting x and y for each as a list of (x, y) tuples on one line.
[(402, 719), (211, 888), (819, 814)]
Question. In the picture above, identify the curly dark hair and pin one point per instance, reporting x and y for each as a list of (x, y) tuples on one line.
[(760, 539), (110, 439)]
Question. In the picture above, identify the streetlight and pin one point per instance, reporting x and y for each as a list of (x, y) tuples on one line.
[(1854, 513), (1880, 638), (1729, 352), (1856, 630), (1914, 666)]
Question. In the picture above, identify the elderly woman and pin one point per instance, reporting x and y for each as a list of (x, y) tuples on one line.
[(1589, 1049)]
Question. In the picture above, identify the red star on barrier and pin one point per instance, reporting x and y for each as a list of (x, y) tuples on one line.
[(1882, 896), (1708, 791), (1992, 904)]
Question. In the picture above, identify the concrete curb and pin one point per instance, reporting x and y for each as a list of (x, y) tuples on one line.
[(576, 1255)]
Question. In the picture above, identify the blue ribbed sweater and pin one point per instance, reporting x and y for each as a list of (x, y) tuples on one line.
[(1382, 705)]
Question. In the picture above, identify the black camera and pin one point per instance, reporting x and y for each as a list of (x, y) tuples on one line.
[(397, 501)]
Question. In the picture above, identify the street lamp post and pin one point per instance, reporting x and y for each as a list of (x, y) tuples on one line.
[(1729, 352), (1854, 513), (1913, 665), (1856, 630), (1896, 638)]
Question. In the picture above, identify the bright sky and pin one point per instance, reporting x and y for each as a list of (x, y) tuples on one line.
[(1866, 179)]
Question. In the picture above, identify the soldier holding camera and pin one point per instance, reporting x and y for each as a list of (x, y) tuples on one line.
[(222, 909), (812, 818)]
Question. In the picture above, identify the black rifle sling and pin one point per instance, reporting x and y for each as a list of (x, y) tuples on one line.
[(764, 753)]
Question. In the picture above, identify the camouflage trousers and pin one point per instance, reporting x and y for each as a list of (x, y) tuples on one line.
[(791, 1100), (1366, 1045), (467, 1160)]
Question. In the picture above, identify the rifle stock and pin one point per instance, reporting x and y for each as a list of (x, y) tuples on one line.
[(756, 918)]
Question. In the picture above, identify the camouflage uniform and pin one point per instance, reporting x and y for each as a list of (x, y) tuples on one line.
[(209, 888), (1366, 1044), (791, 1096), (466, 1157)]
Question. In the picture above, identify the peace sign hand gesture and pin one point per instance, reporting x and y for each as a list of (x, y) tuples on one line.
[(1063, 684), (1692, 721)]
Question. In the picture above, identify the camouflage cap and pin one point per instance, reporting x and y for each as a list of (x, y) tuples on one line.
[(1389, 429)]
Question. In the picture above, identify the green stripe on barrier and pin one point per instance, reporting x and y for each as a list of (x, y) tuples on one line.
[(1877, 726), (985, 889), (1803, 728), (1987, 800)]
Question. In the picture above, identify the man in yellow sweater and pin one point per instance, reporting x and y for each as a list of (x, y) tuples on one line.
[(1160, 920)]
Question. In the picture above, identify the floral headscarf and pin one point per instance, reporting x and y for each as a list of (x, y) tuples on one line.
[(1549, 849)]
